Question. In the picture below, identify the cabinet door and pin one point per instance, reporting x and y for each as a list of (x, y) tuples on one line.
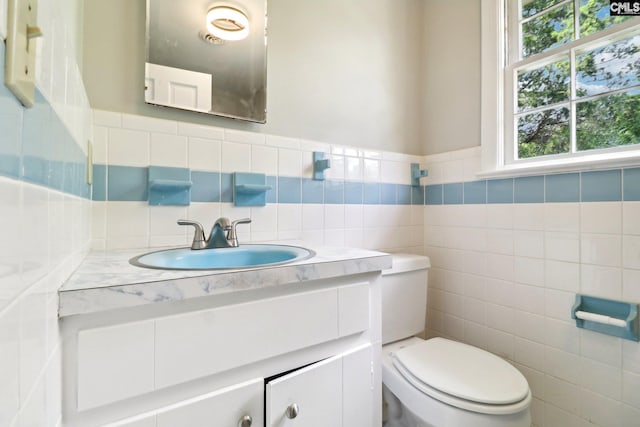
[(332, 393), (314, 391), (222, 408)]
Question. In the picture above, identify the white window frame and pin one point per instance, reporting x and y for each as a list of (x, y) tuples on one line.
[(497, 129)]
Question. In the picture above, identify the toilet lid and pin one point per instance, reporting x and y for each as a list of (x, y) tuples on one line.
[(463, 371)]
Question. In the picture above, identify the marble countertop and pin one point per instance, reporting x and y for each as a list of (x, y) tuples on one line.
[(106, 280)]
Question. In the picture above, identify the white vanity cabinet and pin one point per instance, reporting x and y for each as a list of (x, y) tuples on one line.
[(189, 364)]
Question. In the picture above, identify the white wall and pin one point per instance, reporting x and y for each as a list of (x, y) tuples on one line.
[(45, 232), (338, 72), (451, 73)]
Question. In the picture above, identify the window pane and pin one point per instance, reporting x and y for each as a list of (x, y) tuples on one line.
[(544, 132), (548, 30), (531, 7), (543, 86), (611, 67), (609, 121), (594, 16)]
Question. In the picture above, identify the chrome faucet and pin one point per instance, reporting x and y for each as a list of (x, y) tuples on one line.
[(223, 233)]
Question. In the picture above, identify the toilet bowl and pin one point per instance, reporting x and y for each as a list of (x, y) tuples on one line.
[(440, 382)]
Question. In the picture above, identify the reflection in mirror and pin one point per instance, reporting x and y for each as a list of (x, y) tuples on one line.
[(208, 56)]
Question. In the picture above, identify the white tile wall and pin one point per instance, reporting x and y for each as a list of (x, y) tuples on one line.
[(538, 256), (124, 139), (30, 362)]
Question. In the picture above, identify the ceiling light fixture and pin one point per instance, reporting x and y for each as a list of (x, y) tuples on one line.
[(227, 23)]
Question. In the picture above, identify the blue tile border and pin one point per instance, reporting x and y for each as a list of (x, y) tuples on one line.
[(353, 193), (206, 186), (388, 194), (562, 188), (403, 194), (312, 191), (371, 193), (334, 192), (528, 189), (289, 190), (631, 184), (453, 194), (601, 186), (500, 190), (127, 183), (433, 194), (124, 183), (475, 193)]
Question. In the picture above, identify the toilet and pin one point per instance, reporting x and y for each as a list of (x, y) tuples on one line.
[(439, 382)]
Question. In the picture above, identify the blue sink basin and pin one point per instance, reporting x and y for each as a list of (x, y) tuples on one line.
[(244, 256)]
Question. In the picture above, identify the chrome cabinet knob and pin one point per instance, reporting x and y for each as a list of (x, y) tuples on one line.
[(245, 421), (292, 411)]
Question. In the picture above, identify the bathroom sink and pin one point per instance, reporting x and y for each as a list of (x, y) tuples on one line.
[(244, 256)]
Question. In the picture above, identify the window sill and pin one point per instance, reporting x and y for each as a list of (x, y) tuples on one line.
[(553, 166)]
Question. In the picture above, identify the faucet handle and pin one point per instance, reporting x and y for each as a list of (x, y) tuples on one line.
[(240, 221), (232, 237), (199, 241)]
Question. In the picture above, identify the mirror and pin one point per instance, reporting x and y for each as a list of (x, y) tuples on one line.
[(208, 56)]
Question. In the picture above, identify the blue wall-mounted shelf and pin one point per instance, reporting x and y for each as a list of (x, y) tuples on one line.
[(169, 186), (320, 164), (616, 318), (250, 189), (417, 173)]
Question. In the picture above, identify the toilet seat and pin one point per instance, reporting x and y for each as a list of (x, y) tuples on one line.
[(463, 376)]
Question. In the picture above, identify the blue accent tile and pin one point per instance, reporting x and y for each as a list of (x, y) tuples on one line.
[(631, 179), (528, 189), (272, 195), (289, 190), (433, 194), (127, 184), (417, 195), (452, 193), (312, 191), (353, 193), (475, 192), (11, 126), (36, 143), (388, 194), (500, 190), (99, 183), (334, 192), (226, 188), (562, 188), (206, 186), (69, 172), (250, 189), (56, 174), (371, 194), (601, 186), (404, 194)]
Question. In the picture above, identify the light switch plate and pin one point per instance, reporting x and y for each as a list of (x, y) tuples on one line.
[(22, 31)]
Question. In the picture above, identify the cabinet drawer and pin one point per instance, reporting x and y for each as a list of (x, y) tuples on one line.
[(225, 407), (197, 344)]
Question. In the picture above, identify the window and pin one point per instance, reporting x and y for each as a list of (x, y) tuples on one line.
[(572, 81)]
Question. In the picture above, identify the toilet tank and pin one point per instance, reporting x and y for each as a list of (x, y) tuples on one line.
[(404, 297)]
